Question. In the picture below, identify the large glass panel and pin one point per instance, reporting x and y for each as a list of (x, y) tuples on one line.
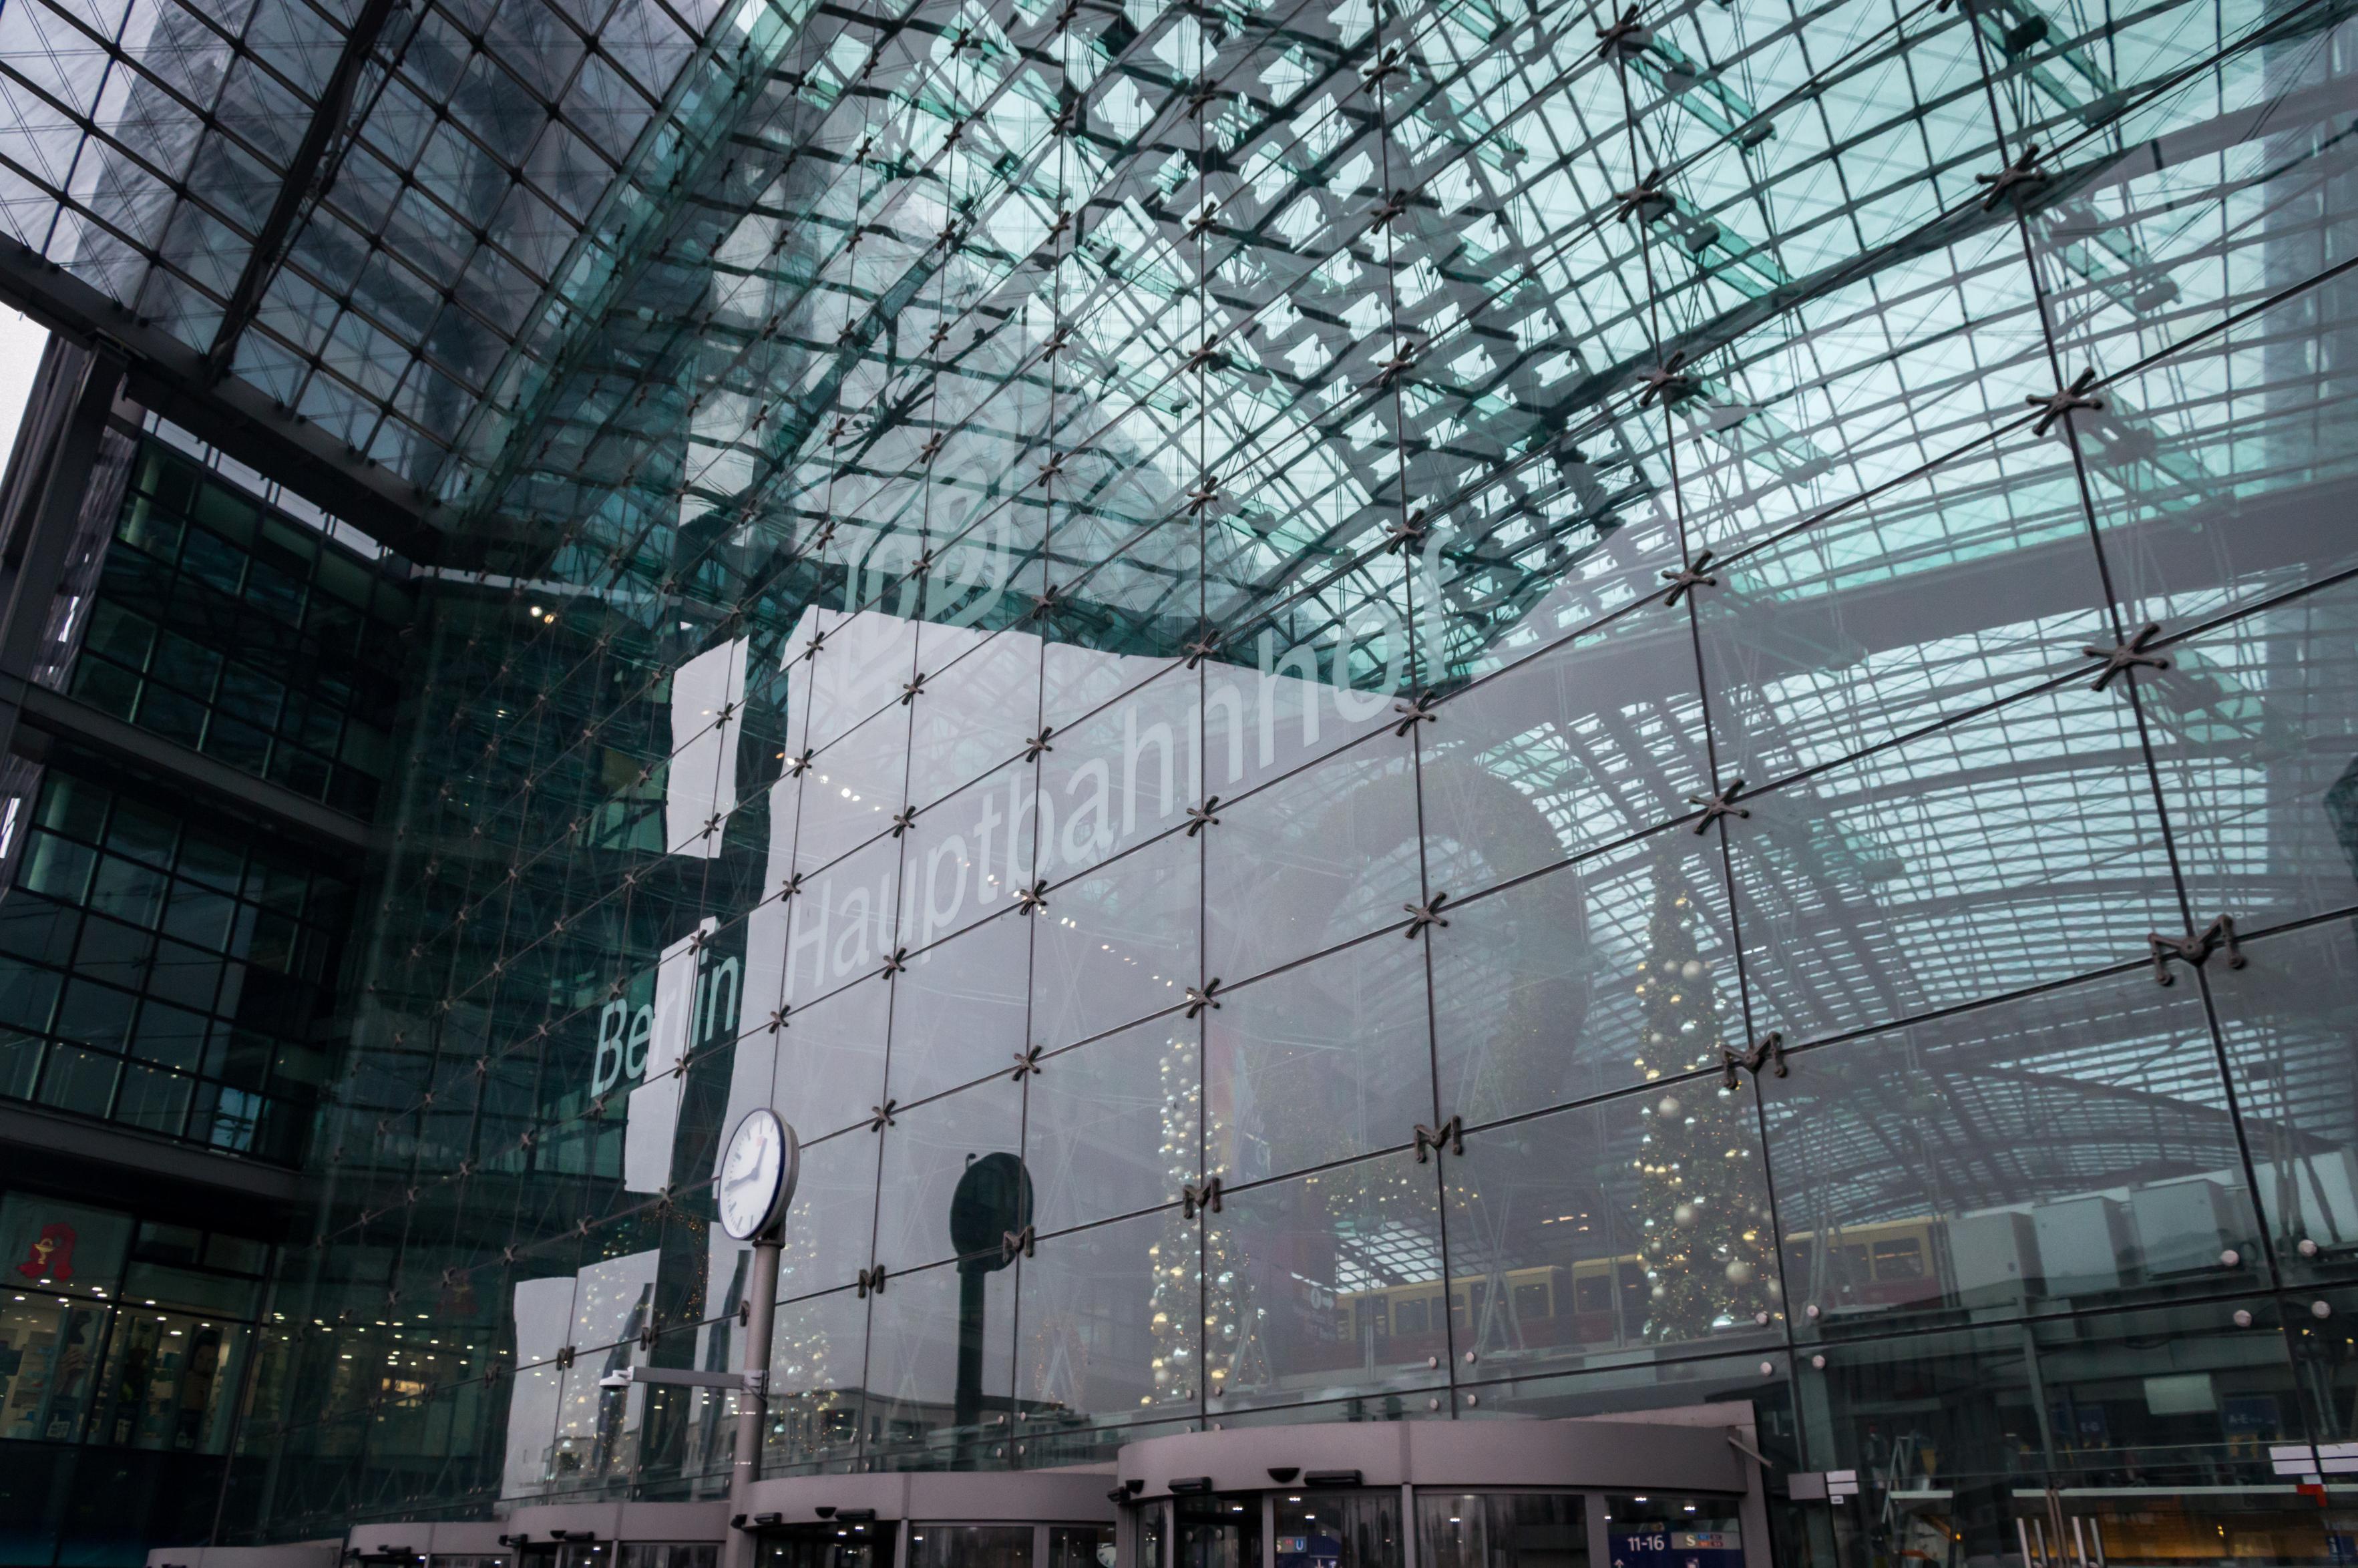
[(1975, 1426), (969, 856), (1808, 416), (1639, 1226), (1120, 775), (1111, 1126), (939, 1357), (977, 709), (959, 1008), (2286, 1018), (952, 1175), (171, 1381), (2238, 424), (825, 1234), (55, 1346), (1563, 753), (1317, 1064), (1109, 1334), (1118, 943), (851, 795), (1293, 1271), (2017, 846), (830, 1058), (970, 1546), (1322, 856), (817, 1378), (2252, 724), (2121, 1175), (1508, 1529), (2203, 284), (1349, 1530), (1929, 599), (1614, 971)]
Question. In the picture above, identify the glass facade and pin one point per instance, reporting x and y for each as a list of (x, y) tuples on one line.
[(168, 963), (241, 634), (127, 1352), (1368, 711), (166, 973)]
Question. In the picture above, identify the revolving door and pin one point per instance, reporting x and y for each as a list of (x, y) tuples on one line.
[(1443, 1495)]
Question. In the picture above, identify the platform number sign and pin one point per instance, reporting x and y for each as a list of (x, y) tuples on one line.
[(1659, 1546)]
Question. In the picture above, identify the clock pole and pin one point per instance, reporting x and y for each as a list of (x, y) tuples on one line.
[(753, 1404)]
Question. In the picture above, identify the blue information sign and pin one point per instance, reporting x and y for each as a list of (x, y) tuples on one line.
[(1309, 1552)]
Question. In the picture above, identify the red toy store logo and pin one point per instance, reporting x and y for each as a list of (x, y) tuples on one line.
[(51, 1255)]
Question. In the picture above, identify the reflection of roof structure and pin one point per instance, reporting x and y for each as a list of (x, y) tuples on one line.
[(1389, 1254), (534, 274), (1282, 318), (1991, 1109)]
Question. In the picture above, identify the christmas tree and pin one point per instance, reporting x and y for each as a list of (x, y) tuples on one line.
[(1176, 1305), (1700, 1211)]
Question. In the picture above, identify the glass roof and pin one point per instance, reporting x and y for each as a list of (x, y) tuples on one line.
[(663, 285)]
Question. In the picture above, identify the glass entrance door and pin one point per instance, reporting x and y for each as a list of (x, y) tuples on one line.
[(1216, 1532), (829, 1546)]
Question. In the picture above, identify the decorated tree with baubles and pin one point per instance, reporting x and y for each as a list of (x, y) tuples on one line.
[(1179, 1307), (1701, 1209)]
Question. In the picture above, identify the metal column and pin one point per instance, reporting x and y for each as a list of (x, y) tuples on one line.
[(753, 1404)]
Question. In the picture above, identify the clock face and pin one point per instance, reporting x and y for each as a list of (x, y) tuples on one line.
[(757, 1174)]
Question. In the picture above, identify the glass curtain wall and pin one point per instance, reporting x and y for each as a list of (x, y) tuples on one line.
[(166, 963), (166, 972), (1393, 711), (234, 631), (127, 1348)]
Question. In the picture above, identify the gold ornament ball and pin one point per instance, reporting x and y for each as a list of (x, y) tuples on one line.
[(1740, 1273), (1684, 1214)]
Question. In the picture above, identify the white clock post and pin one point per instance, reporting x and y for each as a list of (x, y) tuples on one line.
[(752, 1189)]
